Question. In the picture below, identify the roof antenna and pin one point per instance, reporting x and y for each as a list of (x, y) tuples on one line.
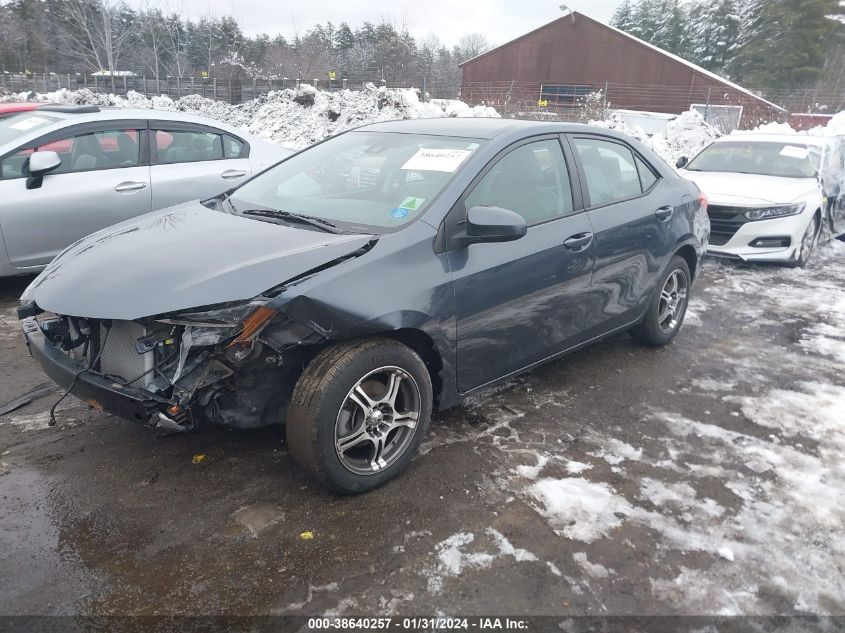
[(565, 8)]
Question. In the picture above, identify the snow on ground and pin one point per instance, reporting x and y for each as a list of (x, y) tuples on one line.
[(746, 501), (452, 557)]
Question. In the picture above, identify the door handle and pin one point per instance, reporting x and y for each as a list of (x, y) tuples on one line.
[(664, 213), (124, 187), (579, 242), (233, 173)]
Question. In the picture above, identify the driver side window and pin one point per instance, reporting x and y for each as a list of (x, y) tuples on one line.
[(531, 180)]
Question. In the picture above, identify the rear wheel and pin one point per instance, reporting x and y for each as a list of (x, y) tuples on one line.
[(808, 244), (666, 313), (359, 412)]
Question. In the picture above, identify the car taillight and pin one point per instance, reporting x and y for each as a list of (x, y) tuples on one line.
[(702, 200)]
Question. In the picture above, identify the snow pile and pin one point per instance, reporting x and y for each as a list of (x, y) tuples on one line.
[(295, 118), (685, 135), (834, 127)]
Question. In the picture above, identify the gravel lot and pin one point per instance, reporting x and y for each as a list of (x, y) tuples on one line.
[(704, 478)]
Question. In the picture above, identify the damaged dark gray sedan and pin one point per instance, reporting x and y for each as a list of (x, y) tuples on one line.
[(364, 282)]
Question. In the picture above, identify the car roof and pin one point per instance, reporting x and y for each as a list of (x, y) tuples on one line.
[(17, 106), (787, 139), (479, 127), (85, 114)]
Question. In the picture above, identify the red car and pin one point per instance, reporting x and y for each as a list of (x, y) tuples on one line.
[(8, 109)]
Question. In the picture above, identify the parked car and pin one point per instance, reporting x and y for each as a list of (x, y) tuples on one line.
[(67, 171), (11, 108), (370, 279), (771, 196)]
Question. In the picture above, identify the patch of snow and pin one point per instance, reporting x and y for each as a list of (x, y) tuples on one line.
[(726, 553), (593, 569), (532, 472), (452, 559), (616, 451), (579, 509), (576, 468)]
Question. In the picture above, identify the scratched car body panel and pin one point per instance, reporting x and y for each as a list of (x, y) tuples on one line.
[(433, 258)]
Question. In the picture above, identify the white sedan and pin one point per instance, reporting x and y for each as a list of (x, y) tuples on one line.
[(770, 196)]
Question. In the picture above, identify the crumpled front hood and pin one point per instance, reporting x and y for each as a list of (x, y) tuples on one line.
[(183, 257), (748, 189)]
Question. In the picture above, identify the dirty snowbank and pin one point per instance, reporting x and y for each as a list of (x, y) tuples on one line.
[(834, 127), (294, 118), (299, 117), (685, 135)]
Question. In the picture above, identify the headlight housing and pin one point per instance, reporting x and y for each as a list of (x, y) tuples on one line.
[(779, 211)]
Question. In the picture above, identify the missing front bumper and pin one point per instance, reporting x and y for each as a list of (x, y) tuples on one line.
[(102, 394)]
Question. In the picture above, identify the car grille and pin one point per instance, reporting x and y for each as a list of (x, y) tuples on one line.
[(724, 223), (120, 359)]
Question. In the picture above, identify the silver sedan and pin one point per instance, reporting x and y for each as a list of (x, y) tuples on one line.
[(68, 171)]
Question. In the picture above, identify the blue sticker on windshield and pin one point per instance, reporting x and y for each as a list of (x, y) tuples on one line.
[(399, 213)]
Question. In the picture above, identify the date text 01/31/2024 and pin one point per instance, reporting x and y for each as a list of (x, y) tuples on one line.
[(418, 623)]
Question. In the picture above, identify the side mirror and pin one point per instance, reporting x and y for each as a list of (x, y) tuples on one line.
[(40, 163), (493, 224), (683, 161)]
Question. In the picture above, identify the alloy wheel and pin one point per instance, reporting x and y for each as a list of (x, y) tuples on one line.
[(673, 300), (378, 420)]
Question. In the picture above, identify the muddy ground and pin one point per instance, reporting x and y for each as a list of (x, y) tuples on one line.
[(703, 478)]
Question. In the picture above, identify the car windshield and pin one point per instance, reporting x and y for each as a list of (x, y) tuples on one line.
[(360, 181), (14, 126), (787, 160)]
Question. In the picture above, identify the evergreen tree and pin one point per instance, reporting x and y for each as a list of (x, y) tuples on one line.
[(791, 44), (623, 17), (671, 34)]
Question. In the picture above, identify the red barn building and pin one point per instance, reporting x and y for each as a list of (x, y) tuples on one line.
[(559, 63)]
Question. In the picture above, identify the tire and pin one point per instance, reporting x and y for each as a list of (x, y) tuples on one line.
[(342, 411), (808, 244), (665, 315)]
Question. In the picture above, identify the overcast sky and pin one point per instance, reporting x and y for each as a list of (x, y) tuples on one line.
[(499, 20)]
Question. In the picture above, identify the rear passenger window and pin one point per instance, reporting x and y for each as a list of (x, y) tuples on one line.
[(610, 169), (232, 147), (532, 180), (188, 146), (647, 177)]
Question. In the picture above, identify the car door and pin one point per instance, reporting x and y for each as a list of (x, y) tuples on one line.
[(522, 301), (103, 179), (632, 211), (191, 161)]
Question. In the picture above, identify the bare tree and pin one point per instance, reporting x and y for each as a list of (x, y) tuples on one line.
[(473, 45), (152, 33), (93, 32)]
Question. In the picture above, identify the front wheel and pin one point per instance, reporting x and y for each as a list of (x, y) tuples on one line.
[(359, 412), (668, 308), (808, 244)]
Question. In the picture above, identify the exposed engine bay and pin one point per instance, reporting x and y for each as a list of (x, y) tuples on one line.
[(223, 366)]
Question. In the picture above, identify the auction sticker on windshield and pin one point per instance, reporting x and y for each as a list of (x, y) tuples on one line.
[(447, 160), (794, 151)]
